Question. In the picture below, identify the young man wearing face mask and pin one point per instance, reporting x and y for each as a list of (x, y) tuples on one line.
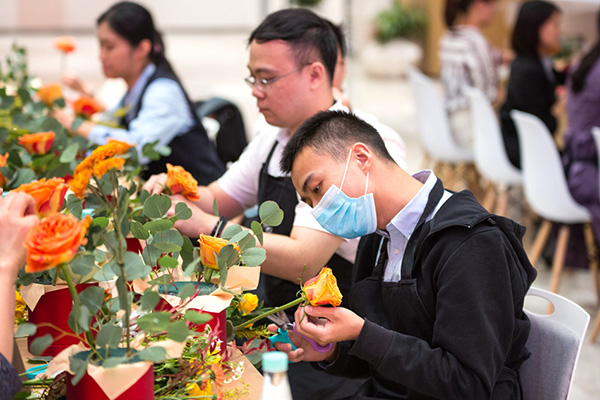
[(436, 306)]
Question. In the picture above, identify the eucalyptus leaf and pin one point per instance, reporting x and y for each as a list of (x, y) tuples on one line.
[(133, 267), (109, 336), (83, 264), (230, 231), (76, 123), (24, 175), (227, 257), (215, 207), (112, 362), (187, 291), (167, 262), (93, 298), (178, 331), (254, 256), (79, 368), (101, 222), (156, 206), (161, 280), (164, 151), (158, 225), (123, 294), (239, 237), (138, 230), (182, 211), (270, 213), (149, 300), (258, 230), (143, 196), (187, 251), (26, 329), (167, 247), (196, 317), (154, 322), (38, 345), (68, 154), (191, 267), (84, 318), (74, 205), (155, 354)]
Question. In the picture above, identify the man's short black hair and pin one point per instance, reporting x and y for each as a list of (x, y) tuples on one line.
[(309, 36), (332, 133), (340, 37), (526, 34)]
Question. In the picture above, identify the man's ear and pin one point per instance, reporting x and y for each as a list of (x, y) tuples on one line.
[(317, 74), (362, 154)]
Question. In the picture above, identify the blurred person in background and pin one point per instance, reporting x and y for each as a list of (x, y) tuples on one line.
[(155, 107), (583, 113), (468, 59), (533, 80)]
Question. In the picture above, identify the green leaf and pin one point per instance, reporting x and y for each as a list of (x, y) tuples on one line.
[(258, 230), (187, 251), (196, 317), (227, 257), (109, 336), (155, 354), (161, 280), (178, 331), (254, 256), (187, 291), (123, 294), (74, 205), (76, 123), (101, 222), (191, 267), (24, 175), (40, 344), (270, 213), (143, 196), (84, 317), (138, 230), (82, 265), (154, 322), (158, 225), (157, 205), (167, 262), (240, 237), (112, 362), (26, 329), (79, 368), (68, 154), (164, 151), (93, 298), (133, 266), (168, 241), (231, 231), (167, 247), (149, 300), (182, 211), (215, 207)]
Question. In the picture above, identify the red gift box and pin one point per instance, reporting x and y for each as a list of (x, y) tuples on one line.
[(88, 389)]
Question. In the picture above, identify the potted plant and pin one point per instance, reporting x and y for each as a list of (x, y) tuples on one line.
[(394, 49)]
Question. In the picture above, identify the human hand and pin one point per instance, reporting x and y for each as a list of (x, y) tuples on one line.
[(156, 184), (75, 84), (200, 222), (17, 217), (328, 324), (66, 118), (304, 350)]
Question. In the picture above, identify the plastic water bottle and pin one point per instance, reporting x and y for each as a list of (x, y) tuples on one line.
[(275, 383)]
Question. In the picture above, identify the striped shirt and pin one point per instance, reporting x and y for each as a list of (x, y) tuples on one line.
[(467, 59)]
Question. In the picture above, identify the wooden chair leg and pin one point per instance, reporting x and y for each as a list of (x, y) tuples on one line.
[(596, 328), (490, 197), (590, 244), (559, 257), (540, 242), (502, 201)]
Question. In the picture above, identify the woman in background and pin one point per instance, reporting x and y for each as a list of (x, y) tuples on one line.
[(156, 107), (468, 59), (583, 113), (533, 80)]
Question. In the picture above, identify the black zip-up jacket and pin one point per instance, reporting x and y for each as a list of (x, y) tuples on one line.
[(471, 274)]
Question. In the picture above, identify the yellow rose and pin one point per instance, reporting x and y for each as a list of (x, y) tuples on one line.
[(249, 303), (323, 289)]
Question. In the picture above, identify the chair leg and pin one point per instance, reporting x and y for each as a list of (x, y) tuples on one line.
[(596, 328), (559, 257), (540, 242), (590, 244), (502, 201)]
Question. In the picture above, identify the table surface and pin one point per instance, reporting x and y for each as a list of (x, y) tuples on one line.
[(251, 377)]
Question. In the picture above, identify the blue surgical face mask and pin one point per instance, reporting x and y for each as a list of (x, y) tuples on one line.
[(344, 216)]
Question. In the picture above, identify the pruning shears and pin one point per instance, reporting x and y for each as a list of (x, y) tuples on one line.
[(284, 326)]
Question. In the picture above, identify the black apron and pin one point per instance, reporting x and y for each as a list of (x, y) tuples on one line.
[(192, 150), (379, 301), (272, 290), (306, 382)]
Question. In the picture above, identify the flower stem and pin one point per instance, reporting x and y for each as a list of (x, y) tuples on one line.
[(273, 311)]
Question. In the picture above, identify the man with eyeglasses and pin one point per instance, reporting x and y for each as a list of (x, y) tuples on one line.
[(291, 62)]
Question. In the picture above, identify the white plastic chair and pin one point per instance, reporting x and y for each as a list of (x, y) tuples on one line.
[(489, 152), (548, 195), (555, 342), (432, 121)]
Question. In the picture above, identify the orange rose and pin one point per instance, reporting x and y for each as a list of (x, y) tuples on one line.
[(86, 106), (54, 241), (102, 167), (323, 289), (38, 143), (181, 181), (48, 195), (47, 94), (209, 245), (66, 44), (3, 164)]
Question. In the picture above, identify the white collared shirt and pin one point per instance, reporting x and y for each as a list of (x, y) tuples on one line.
[(404, 223)]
